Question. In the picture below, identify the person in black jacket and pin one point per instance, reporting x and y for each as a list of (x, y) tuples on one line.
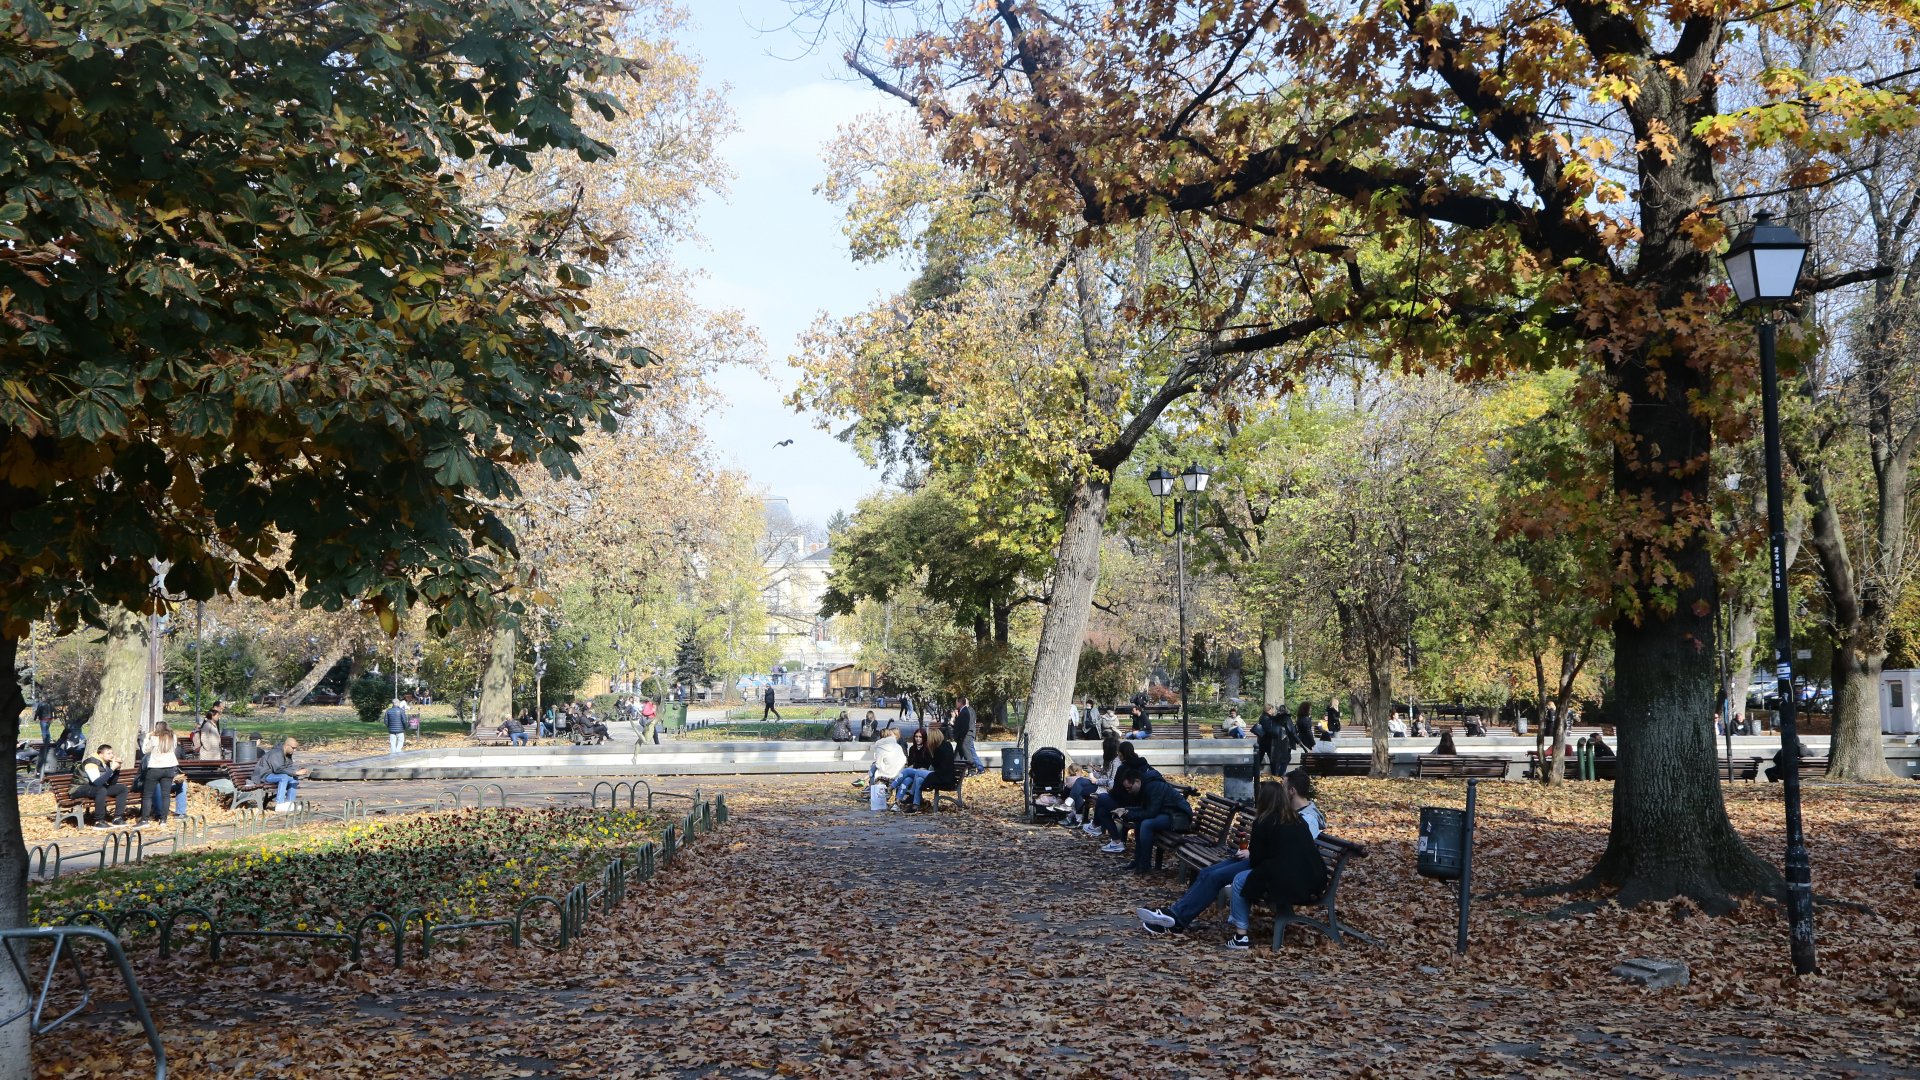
[(767, 709), (1273, 741), (946, 776), (1157, 807), (1285, 867), (1302, 727), (963, 725)]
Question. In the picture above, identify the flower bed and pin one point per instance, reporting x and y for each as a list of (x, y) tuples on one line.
[(456, 866)]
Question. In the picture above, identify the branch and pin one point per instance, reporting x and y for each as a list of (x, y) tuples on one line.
[(1828, 282)]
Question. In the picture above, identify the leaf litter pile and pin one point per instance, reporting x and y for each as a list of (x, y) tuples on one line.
[(814, 938)]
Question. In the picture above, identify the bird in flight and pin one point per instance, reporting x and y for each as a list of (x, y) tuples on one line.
[(783, 442)]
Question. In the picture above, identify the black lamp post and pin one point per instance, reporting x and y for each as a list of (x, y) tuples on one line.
[(1194, 480), (1763, 265)]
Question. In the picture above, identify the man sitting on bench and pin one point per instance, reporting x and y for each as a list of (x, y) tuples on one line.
[(1158, 807), (98, 779), (1209, 883), (276, 767)]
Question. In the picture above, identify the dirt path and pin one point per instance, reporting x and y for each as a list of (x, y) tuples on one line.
[(813, 938)]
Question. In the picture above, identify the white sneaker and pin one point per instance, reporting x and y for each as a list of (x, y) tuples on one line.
[(1155, 917), (283, 808), (1090, 829), (1114, 847)]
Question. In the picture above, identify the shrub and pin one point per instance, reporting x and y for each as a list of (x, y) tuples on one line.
[(371, 694)]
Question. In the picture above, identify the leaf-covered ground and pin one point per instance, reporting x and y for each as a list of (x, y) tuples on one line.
[(812, 938)]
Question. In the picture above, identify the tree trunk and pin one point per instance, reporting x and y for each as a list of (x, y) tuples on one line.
[(1548, 756), (16, 1061), (1230, 677), (303, 689), (1858, 752), (116, 711), (1380, 709), (1743, 631), (1076, 571), (1273, 691), (496, 683)]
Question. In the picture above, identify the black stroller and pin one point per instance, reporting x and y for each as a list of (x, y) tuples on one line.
[(1047, 773)]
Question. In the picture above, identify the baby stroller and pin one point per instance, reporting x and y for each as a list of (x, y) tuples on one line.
[(1047, 772)]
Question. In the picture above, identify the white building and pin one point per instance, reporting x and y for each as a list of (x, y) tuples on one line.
[(795, 561)]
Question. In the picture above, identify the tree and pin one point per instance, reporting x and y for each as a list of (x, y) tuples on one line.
[(1545, 176), (242, 293), (690, 661)]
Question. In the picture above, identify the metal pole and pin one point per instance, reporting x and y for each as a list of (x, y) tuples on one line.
[(1466, 868), (1799, 869), (396, 666), (199, 644), (1180, 559)]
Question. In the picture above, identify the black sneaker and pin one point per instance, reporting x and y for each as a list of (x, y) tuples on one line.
[(1239, 941)]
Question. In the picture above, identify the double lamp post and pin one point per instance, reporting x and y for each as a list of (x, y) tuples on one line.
[(1161, 482)]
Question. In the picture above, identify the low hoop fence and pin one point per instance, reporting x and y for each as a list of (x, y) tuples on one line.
[(18, 942), (632, 788), (567, 914)]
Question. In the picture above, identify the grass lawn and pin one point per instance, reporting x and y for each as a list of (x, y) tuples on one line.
[(790, 712), (723, 732), (338, 727)]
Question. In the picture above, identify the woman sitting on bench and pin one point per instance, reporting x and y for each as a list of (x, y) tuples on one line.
[(906, 787), (1084, 789), (1284, 864)]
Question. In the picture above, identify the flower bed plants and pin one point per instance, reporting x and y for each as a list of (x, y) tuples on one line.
[(459, 866)]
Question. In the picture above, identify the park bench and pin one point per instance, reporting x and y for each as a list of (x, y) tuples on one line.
[(1815, 765), (1742, 769), (492, 736), (1205, 842), (245, 791), (1454, 766), (66, 806), (1335, 852), (955, 794), (1337, 764)]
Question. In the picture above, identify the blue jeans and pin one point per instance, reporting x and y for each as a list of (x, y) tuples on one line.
[(289, 785), (966, 747), (1103, 808), (1143, 841), (1205, 890), (1078, 794), (1242, 914), (907, 787), (516, 738)]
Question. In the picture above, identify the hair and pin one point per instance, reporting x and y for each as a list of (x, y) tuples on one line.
[(162, 736), (1271, 803), (103, 746), (920, 735), (1301, 781), (1304, 710), (1110, 747), (869, 715), (934, 739), (1128, 752)]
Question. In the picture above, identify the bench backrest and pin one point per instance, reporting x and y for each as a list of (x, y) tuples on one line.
[(1213, 818)]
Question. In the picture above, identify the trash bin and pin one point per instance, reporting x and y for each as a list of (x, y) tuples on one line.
[(1237, 781), (1441, 850), (246, 750), (673, 716), (1013, 764)]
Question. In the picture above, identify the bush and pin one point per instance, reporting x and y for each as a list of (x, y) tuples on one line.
[(371, 694), (230, 667)]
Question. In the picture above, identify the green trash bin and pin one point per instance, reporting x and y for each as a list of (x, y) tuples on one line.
[(673, 716)]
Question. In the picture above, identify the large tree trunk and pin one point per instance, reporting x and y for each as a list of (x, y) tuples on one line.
[(1076, 571), (496, 683), (123, 685), (1273, 690), (1380, 709), (1743, 631), (1858, 752), (16, 1062), (303, 689)]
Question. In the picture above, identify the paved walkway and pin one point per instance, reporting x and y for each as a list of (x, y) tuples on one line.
[(814, 938)]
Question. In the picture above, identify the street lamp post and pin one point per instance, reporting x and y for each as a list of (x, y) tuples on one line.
[(1161, 482), (1763, 265)]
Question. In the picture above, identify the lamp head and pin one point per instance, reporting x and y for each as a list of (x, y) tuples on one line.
[(1195, 478), (1763, 262), (1160, 482)]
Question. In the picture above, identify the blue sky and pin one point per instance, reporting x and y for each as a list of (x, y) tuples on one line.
[(774, 249)]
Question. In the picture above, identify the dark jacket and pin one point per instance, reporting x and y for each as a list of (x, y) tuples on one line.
[(396, 718), (1274, 739), (1158, 797), (768, 696), (94, 773), (943, 778), (272, 760), (963, 723), (1284, 864)]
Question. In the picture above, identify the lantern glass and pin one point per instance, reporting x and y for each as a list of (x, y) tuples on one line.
[(1195, 478), (1160, 482)]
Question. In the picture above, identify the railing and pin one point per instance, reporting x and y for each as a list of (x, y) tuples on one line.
[(17, 942)]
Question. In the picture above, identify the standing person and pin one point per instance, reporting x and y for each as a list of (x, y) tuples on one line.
[(1273, 741), (1333, 717), (276, 767), (649, 722), (767, 708), (396, 718), (207, 744), (43, 712), (1284, 863), (906, 708), (963, 729), (99, 777), (162, 765)]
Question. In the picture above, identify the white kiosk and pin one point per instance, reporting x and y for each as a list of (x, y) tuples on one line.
[(1898, 710)]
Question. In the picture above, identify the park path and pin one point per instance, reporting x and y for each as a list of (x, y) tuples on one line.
[(814, 938)]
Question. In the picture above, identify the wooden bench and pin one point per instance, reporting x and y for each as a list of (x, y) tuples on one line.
[(245, 791), (1335, 852), (1816, 765), (1742, 769), (1337, 764), (956, 794), (1205, 842), (1454, 766), (66, 806)]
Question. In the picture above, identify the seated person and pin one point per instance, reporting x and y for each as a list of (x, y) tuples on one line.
[(919, 766), (1283, 862), (888, 758), (515, 729), (276, 767), (869, 727), (1154, 807), (1083, 789), (1396, 726), (1141, 724), (1208, 884), (944, 774), (1476, 729), (1446, 744), (841, 730), (1236, 728), (97, 778)]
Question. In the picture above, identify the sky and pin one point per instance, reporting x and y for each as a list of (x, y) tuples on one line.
[(774, 249)]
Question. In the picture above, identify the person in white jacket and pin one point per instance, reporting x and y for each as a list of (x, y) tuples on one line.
[(889, 757)]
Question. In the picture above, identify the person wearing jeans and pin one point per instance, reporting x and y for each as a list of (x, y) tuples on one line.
[(396, 718), (1284, 865), (913, 775), (1161, 809), (276, 767)]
